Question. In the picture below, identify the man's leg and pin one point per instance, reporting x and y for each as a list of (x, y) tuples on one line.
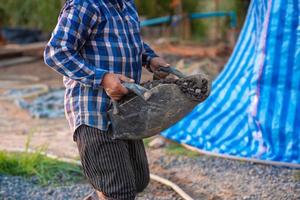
[(106, 163), (139, 164)]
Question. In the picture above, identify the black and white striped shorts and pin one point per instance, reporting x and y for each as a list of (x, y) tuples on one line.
[(117, 168)]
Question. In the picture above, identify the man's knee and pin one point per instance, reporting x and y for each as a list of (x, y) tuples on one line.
[(142, 183)]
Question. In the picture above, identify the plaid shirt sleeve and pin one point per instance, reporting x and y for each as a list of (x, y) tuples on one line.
[(62, 53), (147, 55)]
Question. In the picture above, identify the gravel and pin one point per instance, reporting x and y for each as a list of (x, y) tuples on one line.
[(14, 187), (19, 188), (192, 86), (206, 177), (202, 177)]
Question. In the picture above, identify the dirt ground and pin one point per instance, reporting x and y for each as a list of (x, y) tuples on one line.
[(203, 178), (17, 127), (18, 130)]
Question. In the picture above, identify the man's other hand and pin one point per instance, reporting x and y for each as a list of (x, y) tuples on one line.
[(112, 84), (155, 64)]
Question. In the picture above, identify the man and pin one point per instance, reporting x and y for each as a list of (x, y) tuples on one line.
[(96, 46)]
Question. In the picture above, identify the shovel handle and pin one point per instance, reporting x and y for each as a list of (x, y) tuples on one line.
[(140, 91), (172, 70)]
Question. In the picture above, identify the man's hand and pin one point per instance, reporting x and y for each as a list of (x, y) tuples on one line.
[(155, 64), (112, 84)]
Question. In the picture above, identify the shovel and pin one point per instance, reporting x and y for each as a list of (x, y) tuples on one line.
[(153, 110)]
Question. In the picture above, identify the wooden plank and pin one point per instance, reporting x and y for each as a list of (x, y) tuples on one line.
[(8, 53), (33, 49), (17, 61), (26, 47)]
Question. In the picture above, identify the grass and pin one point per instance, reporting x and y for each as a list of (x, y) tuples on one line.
[(147, 141), (176, 149), (173, 148), (47, 170)]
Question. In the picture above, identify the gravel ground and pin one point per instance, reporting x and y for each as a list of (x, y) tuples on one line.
[(19, 188), (206, 177), (201, 177)]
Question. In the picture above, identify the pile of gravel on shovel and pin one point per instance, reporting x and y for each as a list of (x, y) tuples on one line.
[(192, 87)]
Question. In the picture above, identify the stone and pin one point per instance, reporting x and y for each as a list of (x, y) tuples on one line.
[(158, 142)]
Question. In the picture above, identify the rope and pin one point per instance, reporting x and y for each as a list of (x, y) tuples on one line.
[(175, 187)]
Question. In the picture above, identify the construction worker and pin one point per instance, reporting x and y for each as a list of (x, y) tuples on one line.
[(96, 46)]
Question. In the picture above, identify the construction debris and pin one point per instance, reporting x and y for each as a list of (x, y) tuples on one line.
[(194, 51), (17, 61), (29, 91), (22, 35), (50, 105), (6, 53), (17, 50), (14, 54)]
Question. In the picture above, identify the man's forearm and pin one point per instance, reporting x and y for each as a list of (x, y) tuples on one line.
[(147, 55)]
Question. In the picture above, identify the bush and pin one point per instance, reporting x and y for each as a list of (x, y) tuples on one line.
[(38, 14), (42, 14)]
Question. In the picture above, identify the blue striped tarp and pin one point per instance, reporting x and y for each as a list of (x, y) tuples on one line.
[(254, 107)]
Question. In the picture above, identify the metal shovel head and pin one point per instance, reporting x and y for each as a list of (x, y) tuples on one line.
[(138, 119)]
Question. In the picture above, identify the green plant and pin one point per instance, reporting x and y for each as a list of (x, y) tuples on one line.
[(154, 8), (176, 149), (147, 141), (43, 14), (30, 13), (47, 170)]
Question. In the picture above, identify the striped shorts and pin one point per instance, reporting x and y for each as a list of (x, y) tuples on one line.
[(117, 168)]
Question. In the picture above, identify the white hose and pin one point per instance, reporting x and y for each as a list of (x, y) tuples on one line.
[(175, 187)]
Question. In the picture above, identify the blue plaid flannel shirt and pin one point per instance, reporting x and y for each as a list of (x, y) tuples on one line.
[(93, 37)]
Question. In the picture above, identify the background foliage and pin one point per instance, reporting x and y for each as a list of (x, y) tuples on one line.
[(200, 28), (42, 14)]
